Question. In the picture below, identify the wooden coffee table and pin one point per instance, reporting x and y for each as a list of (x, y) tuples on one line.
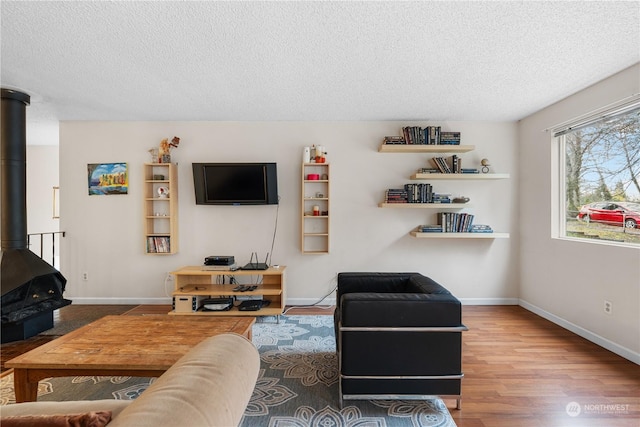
[(141, 346)]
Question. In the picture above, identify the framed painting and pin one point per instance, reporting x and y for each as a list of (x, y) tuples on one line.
[(108, 178)]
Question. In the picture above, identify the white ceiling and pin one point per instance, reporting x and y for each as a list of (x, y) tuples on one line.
[(320, 61)]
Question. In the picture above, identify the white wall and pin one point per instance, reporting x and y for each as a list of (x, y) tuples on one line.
[(42, 176), (568, 281), (105, 234)]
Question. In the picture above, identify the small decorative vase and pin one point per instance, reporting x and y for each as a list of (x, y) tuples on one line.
[(166, 158)]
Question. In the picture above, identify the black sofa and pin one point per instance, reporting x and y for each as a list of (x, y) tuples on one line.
[(398, 336)]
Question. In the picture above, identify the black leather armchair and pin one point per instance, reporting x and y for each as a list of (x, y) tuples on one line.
[(398, 336)]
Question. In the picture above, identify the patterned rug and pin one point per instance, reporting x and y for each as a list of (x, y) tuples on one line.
[(297, 384)]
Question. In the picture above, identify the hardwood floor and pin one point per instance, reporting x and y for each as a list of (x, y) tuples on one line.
[(520, 370)]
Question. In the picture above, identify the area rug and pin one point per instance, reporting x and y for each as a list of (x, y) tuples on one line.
[(297, 384)]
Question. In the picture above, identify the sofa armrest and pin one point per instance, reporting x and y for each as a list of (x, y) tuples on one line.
[(400, 310), (209, 386), (65, 407)]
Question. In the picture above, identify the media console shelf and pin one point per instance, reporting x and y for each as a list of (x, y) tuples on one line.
[(194, 282)]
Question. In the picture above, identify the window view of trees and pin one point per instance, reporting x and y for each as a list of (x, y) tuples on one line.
[(602, 180)]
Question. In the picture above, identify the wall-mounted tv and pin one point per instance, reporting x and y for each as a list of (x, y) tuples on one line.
[(235, 183)]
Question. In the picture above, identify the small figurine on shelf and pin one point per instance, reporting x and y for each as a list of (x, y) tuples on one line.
[(485, 165), (165, 149), (154, 155)]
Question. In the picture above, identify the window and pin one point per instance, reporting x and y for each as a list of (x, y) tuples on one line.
[(599, 162)]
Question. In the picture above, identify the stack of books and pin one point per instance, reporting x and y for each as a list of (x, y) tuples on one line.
[(481, 228), (415, 193), (429, 228), (455, 222), (452, 164), (450, 138), (396, 195), (158, 245), (430, 135), (394, 140)]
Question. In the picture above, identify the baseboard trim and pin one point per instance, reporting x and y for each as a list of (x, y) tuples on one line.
[(584, 333), (121, 301), (290, 301), (310, 301), (489, 301)]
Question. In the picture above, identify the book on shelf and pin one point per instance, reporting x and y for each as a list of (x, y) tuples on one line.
[(415, 193), (413, 135), (481, 228), (452, 164), (394, 140), (430, 135), (441, 164), (429, 228), (151, 245), (449, 138), (428, 170), (159, 245), (469, 170), (441, 198), (454, 222)]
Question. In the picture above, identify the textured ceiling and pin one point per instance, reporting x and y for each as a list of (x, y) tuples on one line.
[(254, 61)]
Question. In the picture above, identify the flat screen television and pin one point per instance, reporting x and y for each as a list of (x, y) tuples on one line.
[(235, 183)]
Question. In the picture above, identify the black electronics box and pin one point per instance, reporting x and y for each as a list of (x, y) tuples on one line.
[(217, 304), (253, 304), (219, 260)]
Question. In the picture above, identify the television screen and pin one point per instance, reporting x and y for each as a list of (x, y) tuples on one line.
[(235, 183)]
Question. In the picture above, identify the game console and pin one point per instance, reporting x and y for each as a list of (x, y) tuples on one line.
[(222, 260)]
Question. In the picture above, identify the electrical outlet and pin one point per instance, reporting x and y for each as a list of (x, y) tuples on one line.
[(85, 276), (608, 307)]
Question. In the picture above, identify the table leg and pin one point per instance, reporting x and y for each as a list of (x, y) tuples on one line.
[(25, 391)]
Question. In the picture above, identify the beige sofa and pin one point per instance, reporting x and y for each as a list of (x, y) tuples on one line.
[(209, 386)]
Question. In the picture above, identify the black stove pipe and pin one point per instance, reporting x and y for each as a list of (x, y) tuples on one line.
[(13, 171)]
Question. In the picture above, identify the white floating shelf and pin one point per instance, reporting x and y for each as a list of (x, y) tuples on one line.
[(460, 176), (420, 148), (438, 235), (425, 205)]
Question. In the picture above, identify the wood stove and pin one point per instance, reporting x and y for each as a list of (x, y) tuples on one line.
[(31, 288)]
